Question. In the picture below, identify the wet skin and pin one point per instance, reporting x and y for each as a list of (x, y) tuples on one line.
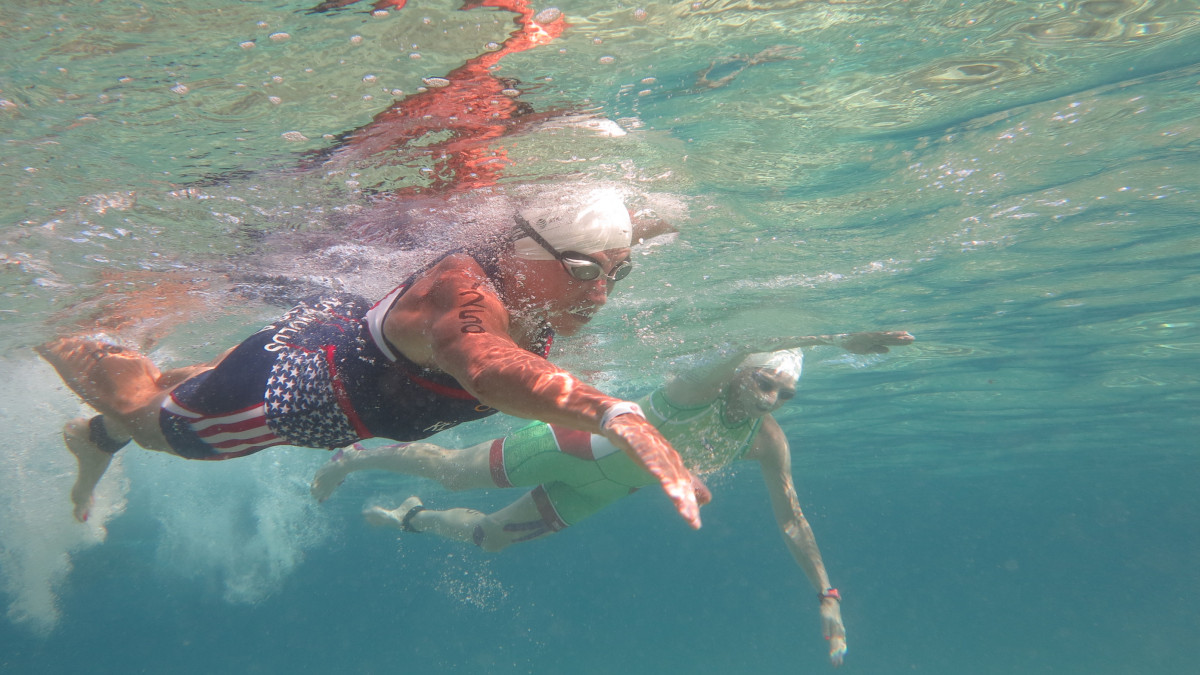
[(567, 303)]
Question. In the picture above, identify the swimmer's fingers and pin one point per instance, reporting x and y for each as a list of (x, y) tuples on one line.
[(652, 452), (897, 337), (837, 651), (833, 630)]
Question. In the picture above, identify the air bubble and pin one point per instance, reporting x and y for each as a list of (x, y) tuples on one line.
[(294, 136), (356, 39), (492, 47), (607, 60), (436, 82), (279, 37), (248, 44), (548, 15)]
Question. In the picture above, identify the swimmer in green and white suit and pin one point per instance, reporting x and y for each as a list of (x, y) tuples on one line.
[(712, 416)]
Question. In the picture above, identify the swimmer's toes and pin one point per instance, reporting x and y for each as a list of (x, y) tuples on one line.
[(323, 489)]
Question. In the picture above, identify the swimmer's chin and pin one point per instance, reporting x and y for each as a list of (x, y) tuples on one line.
[(570, 323)]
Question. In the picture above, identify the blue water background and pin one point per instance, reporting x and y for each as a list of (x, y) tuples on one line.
[(1015, 183)]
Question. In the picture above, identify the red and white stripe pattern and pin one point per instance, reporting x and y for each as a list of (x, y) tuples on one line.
[(232, 434)]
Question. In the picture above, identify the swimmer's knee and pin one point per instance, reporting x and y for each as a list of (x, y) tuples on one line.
[(460, 470), (493, 542)]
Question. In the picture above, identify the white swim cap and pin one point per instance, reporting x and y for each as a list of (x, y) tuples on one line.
[(597, 222), (787, 361)]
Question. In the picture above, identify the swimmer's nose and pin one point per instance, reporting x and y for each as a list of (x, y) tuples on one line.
[(769, 401), (598, 292)]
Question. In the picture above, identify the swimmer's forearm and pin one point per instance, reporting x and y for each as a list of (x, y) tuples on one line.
[(527, 386), (803, 546), (794, 342)]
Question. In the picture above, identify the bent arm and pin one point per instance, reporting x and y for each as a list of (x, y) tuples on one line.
[(771, 451)]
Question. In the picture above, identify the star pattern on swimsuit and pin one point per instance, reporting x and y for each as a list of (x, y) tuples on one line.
[(301, 406)]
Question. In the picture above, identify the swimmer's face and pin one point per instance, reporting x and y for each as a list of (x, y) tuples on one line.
[(755, 392), (566, 302)]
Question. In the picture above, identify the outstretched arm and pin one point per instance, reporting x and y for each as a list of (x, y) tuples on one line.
[(452, 320), (771, 451), (703, 384), (869, 342)]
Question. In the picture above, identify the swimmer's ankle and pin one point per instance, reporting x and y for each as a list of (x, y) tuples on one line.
[(92, 461)]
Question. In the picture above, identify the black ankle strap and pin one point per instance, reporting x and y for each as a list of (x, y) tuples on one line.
[(406, 522), (98, 435)]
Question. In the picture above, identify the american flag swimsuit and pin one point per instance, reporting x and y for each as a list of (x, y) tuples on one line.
[(322, 376)]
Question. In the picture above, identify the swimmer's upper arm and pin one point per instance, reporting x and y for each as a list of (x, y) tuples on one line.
[(470, 331), (450, 319), (697, 387), (770, 447)]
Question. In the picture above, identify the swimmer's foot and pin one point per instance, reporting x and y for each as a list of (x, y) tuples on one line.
[(330, 476), (111, 379), (92, 461), (399, 517)]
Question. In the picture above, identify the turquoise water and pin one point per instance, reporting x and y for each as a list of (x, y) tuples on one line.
[(1013, 182)]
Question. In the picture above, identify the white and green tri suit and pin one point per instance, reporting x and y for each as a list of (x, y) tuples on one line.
[(578, 474)]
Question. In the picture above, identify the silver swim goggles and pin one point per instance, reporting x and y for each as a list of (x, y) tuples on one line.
[(578, 265)]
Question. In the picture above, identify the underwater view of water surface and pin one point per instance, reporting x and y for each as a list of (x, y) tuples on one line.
[(1015, 183)]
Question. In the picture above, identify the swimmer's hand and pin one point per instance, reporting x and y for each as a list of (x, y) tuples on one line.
[(642, 442), (875, 342), (834, 631)]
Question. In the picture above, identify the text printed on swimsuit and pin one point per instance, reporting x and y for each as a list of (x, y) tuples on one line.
[(290, 324)]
